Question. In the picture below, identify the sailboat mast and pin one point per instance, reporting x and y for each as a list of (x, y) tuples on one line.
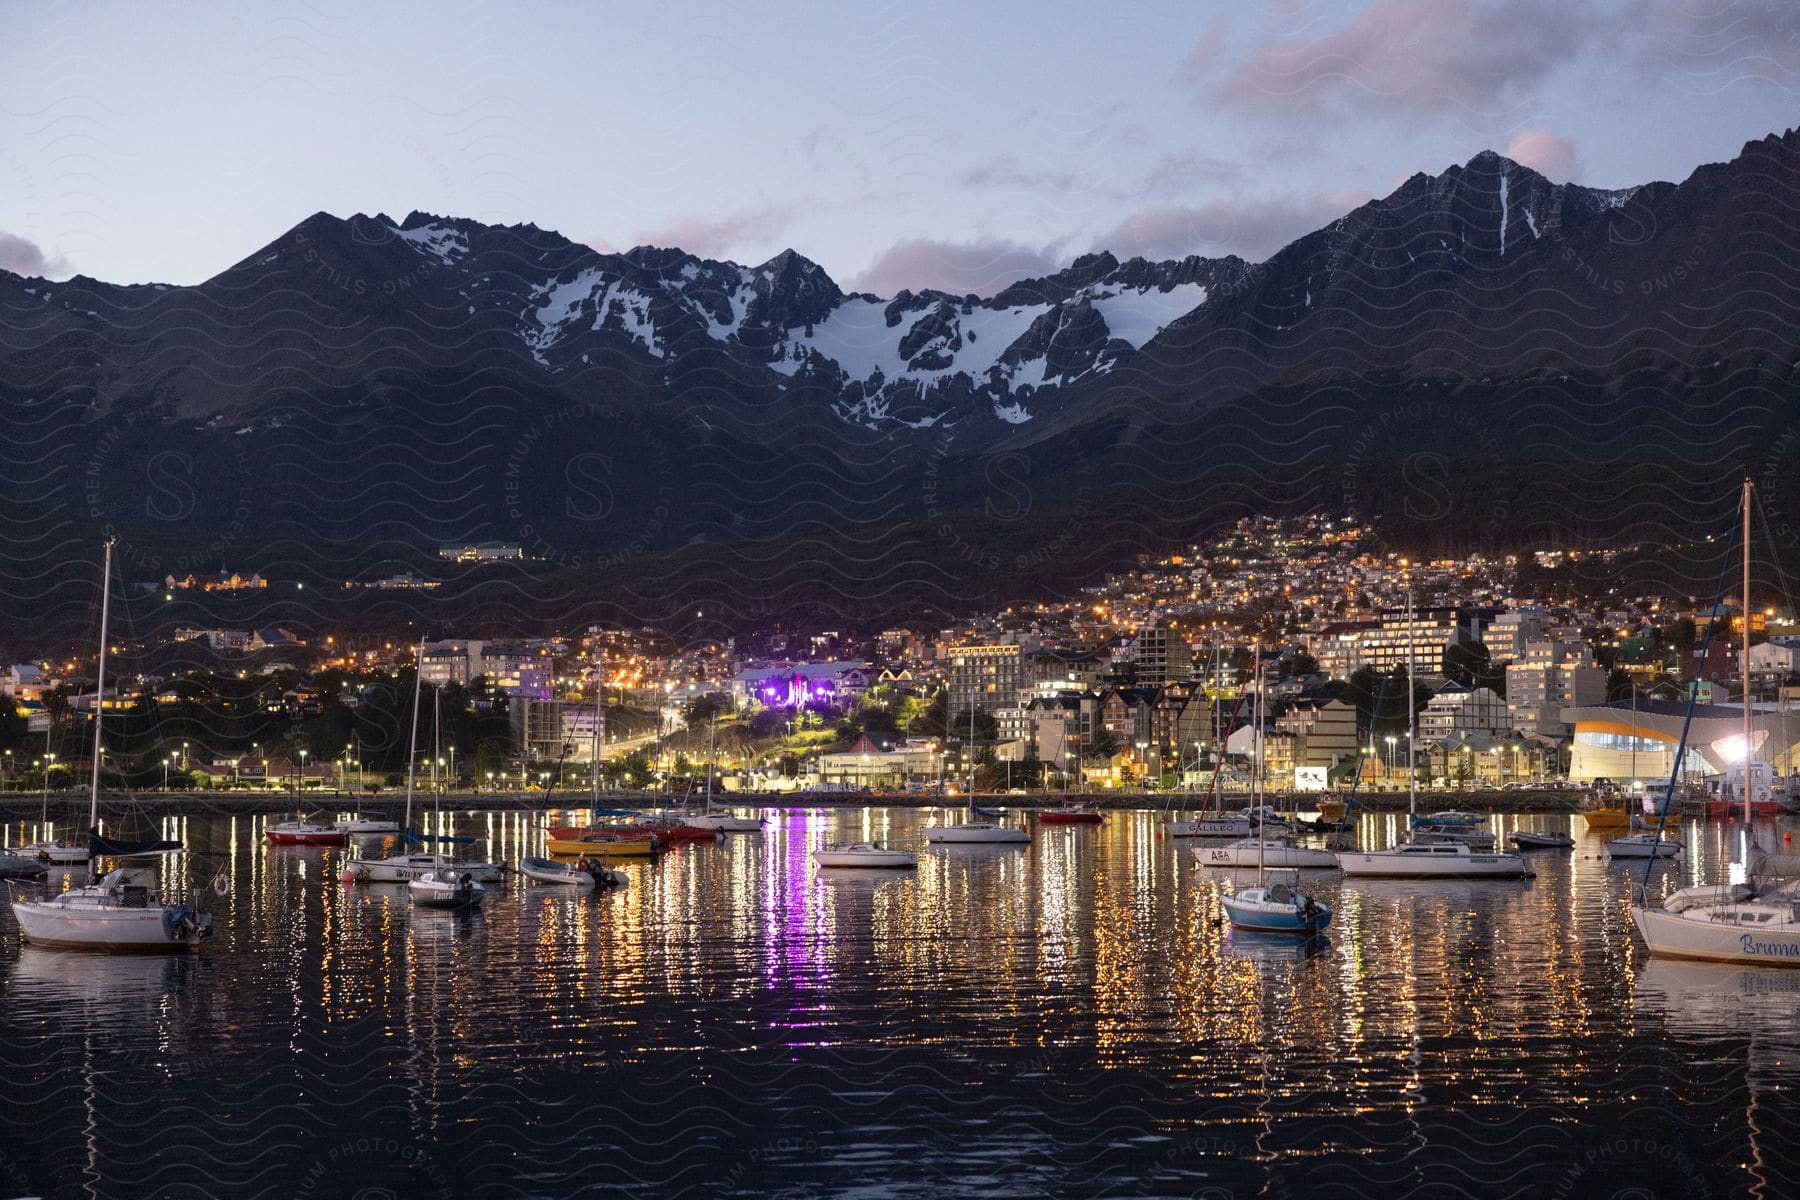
[(969, 751), (99, 687), (1744, 653), (599, 719), (712, 734), (412, 743), (1412, 766)]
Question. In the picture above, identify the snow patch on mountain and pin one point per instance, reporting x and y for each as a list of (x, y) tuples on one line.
[(562, 305), (1138, 316), (437, 241)]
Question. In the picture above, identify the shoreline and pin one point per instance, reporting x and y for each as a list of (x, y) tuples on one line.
[(27, 806)]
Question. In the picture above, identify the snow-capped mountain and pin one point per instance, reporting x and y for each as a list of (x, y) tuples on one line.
[(376, 383)]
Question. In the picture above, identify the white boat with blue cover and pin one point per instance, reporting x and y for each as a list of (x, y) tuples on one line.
[(447, 889)]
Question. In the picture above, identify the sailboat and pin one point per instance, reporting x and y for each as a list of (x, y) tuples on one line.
[(114, 915), (970, 831), (1219, 825), (405, 865), (720, 819), (1446, 857), (1756, 922), (56, 851), (1271, 907)]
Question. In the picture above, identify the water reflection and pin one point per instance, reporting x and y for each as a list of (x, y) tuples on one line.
[(738, 1020)]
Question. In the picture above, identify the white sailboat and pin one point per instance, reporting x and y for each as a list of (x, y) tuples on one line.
[(718, 819), (1271, 907), (114, 915), (1441, 854), (1754, 923), (865, 854), (404, 866), (970, 831)]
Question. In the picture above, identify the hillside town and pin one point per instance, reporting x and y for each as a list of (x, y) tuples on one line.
[(1145, 682)]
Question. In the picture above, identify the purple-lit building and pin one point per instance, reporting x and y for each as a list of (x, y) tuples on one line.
[(791, 685)]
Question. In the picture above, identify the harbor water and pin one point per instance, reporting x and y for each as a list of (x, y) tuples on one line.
[(1067, 1018)]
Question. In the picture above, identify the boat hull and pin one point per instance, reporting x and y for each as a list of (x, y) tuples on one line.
[(891, 860), (976, 834), (1542, 841), (1252, 912), (1287, 857), (63, 854), (1376, 864), (1063, 816), (100, 930), (417, 866), (643, 847), (305, 837), (1629, 849), (727, 823), (1220, 827), (1668, 935)]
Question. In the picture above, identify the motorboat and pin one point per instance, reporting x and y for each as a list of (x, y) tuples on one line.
[(1074, 814), (448, 888), (1531, 839), (1281, 852), (1432, 860), (581, 874), (406, 867), (1276, 908), (356, 826), (113, 916), (865, 854), (611, 844), (1643, 845), (304, 833), (22, 866)]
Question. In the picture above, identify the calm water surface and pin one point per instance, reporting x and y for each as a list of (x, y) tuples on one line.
[(1063, 1019)]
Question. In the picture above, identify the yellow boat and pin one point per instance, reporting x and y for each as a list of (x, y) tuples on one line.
[(603, 848), (1331, 810), (1620, 818)]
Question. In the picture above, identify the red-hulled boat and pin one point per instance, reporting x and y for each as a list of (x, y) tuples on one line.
[(672, 829), (1725, 810), (587, 833), (304, 833), (1075, 815)]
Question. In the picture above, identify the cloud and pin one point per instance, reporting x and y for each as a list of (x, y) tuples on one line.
[(1007, 171), (1253, 229), (1464, 58), (983, 267), (1544, 152), (751, 235), (23, 257)]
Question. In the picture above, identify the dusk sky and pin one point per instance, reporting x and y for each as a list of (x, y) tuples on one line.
[(907, 145)]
